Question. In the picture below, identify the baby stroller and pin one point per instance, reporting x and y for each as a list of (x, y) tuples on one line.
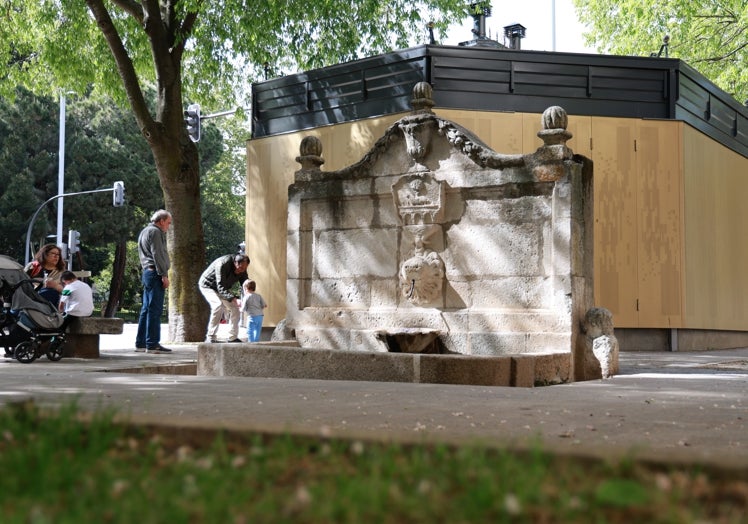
[(29, 324)]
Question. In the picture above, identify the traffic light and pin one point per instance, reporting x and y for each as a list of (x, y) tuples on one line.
[(118, 197), (192, 121), (74, 242)]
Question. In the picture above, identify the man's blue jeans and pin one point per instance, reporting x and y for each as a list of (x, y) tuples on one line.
[(149, 322)]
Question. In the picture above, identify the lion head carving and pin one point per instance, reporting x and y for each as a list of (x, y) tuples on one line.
[(421, 278)]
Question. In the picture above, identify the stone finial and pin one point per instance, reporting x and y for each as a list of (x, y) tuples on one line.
[(422, 100), (548, 161), (554, 123), (555, 117), (310, 154)]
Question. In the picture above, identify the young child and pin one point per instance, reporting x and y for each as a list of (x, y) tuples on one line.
[(76, 299), (253, 304)]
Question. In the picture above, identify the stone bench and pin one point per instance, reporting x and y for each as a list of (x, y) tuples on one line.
[(83, 335)]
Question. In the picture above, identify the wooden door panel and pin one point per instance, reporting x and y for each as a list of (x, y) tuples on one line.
[(615, 219)]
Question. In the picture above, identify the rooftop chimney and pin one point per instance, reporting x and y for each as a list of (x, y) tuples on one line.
[(480, 11), (515, 33)]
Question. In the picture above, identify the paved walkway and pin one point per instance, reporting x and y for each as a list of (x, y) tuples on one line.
[(663, 406)]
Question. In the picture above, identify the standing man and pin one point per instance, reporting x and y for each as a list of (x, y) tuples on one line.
[(215, 285), (154, 259)]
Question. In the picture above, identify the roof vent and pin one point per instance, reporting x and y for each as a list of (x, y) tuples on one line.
[(515, 33)]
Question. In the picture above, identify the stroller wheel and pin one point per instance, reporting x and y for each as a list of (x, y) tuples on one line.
[(54, 350), (25, 352)]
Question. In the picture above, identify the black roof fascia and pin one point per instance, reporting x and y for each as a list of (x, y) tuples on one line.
[(488, 79)]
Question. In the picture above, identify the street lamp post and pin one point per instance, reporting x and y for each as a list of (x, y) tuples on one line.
[(61, 167)]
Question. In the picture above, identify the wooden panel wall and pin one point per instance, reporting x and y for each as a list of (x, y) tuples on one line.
[(716, 193)]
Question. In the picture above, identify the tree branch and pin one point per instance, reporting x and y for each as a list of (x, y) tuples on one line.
[(153, 25), (124, 63), (132, 8), (731, 53), (184, 32), (166, 64)]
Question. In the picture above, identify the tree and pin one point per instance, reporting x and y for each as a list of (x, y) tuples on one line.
[(102, 146), (710, 35), (223, 192), (28, 136), (199, 50)]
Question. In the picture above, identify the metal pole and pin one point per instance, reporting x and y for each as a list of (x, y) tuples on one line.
[(61, 169), (36, 213), (222, 113), (553, 25)]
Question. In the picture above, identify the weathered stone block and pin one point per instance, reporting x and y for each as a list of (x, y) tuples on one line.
[(354, 253), (82, 339), (351, 293), (502, 249), (554, 368), (506, 343), (384, 293), (511, 293), (459, 369), (523, 371), (96, 326)]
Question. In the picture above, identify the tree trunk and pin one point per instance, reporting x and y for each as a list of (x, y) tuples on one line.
[(118, 275), (188, 311)]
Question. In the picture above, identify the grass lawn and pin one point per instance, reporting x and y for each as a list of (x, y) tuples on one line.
[(57, 468)]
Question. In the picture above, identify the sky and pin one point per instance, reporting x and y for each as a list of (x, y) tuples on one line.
[(536, 16)]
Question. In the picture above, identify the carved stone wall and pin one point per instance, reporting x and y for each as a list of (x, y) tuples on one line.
[(433, 234)]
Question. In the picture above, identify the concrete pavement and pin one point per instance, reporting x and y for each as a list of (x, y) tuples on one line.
[(663, 406)]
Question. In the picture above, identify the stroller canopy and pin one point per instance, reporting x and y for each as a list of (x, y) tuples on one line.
[(11, 272), (16, 285)]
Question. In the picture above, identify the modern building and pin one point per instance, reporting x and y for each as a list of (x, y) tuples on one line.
[(670, 154)]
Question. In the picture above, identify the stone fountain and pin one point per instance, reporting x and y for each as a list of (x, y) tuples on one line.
[(437, 250)]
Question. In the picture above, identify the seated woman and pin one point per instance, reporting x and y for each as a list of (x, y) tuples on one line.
[(46, 268)]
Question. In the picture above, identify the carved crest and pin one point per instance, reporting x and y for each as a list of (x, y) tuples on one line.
[(419, 199)]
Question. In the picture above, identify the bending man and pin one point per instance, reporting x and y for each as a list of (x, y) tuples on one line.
[(215, 285)]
